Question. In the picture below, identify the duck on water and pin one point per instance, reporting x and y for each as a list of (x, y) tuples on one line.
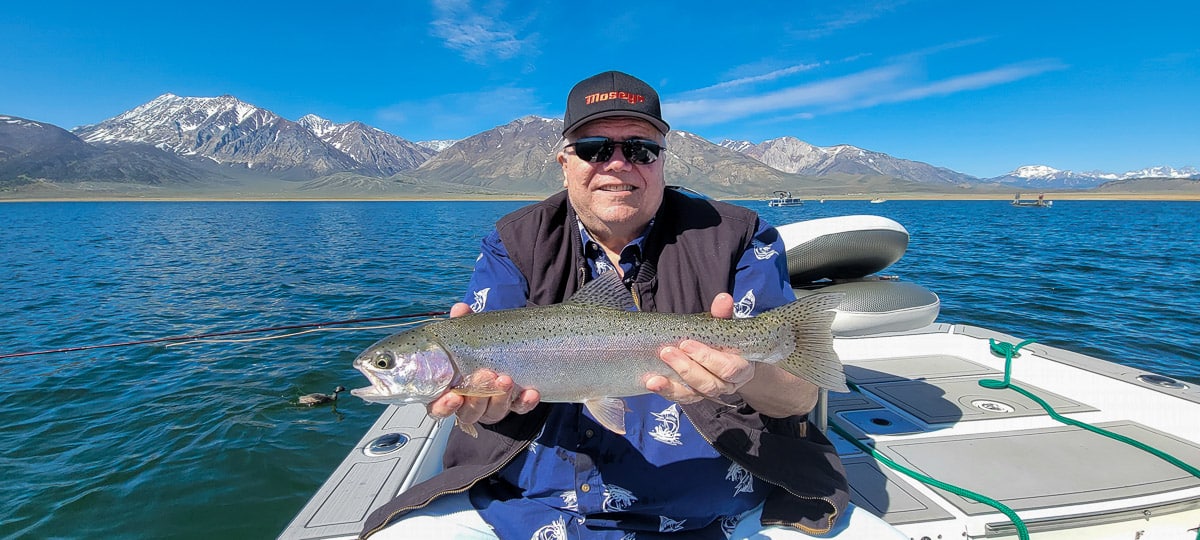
[(317, 398)]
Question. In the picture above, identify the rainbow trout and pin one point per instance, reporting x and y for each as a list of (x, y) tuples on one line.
[(590, 349)]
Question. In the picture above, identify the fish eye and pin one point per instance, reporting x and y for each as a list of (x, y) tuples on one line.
[(383, 360)]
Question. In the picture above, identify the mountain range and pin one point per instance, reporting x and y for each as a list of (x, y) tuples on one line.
[(1041, 177), (211, 145)]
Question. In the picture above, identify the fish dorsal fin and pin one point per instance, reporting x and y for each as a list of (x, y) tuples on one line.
[(609, 412), (607, 291)]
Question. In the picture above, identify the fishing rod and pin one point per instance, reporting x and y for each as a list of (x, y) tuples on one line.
[(193, 337)]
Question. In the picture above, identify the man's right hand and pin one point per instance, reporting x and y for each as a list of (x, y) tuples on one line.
[(484, 410)]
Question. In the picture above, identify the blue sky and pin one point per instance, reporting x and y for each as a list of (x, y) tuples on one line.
[(978, 87)]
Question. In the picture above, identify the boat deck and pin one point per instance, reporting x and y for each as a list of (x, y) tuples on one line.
[(919, 403), (928, 413)]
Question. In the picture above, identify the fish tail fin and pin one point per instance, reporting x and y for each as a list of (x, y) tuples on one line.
[(813, 359)]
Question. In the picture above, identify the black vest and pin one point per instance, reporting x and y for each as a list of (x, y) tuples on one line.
[(687, 259)]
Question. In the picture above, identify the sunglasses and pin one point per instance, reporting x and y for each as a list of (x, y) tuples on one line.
[(600, 149)]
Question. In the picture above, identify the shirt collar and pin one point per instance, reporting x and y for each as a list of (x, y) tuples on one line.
[(631, 254)]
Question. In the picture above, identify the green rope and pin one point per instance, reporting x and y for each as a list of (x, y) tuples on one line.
[(1008, 350), (1022, 532)]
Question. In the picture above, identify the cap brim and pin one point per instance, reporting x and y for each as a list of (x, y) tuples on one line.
[(661, 126)]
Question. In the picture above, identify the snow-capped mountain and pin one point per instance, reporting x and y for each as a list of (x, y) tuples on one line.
[(183, 125), (234, 133), (1163, 172), (738, 146), (370, 147), (792, 155), (1046, 177)]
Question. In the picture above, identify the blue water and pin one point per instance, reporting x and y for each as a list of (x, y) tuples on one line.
[(205, 440)]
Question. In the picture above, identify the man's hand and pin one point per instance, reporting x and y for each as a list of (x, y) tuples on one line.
[(485, 410), (707, 372)]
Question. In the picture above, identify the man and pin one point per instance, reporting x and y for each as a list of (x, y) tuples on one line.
[(687, 466)]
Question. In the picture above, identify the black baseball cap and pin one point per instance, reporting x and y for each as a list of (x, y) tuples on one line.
[(612, 93)]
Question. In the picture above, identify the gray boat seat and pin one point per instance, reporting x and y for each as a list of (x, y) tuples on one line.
[(842, 247), (840, 254), (876, 305)]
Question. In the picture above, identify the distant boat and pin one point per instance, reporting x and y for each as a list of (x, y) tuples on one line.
[(877, 200), (1041, 201), (784, 198)]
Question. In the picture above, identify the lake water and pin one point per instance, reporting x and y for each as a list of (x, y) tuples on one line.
[(205, 440)]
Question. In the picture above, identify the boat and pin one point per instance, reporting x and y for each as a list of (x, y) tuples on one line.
[(784, 198), (949, 431), (878, 200), (1040, 202)]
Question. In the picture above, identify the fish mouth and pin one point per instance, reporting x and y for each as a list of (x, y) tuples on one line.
[(373, 395), (369, 393), (378, 392)]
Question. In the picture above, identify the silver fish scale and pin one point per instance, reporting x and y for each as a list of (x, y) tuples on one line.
[(575, 353)]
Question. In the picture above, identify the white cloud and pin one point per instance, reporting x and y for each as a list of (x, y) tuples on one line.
[(476, 33), (824, 93), (765, 77), (972, 81), (893, 83)]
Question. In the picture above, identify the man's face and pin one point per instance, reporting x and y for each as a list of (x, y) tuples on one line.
[(615, 197)]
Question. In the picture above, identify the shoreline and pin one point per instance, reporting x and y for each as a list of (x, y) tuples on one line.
[(906, 196)]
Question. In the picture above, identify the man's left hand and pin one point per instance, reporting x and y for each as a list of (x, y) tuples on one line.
[(710, 373), (705, 371)]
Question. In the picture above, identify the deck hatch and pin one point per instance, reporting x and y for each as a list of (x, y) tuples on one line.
[(944, 401), (1048, 467)]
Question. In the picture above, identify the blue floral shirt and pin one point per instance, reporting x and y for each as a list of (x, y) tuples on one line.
[(579, 480)]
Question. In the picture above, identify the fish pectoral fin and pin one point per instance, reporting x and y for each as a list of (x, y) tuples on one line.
[(485, 387), (610, 412), (469, 429)]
